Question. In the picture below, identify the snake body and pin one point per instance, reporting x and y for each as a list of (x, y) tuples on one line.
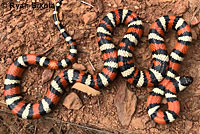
[(171, 84), (25, 110), (162, 65), (160, 60)]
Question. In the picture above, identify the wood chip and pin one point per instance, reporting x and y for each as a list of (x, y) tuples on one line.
[(86, 89)]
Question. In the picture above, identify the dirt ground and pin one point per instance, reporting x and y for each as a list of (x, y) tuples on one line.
[(28, 30)]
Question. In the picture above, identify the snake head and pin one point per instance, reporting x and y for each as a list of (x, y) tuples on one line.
[(186, 80), (183, 82)]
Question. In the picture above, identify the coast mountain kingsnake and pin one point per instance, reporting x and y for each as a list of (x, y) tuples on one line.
[(169, 86)]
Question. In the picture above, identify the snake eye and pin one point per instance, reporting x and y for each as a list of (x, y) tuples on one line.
[(186, 80)]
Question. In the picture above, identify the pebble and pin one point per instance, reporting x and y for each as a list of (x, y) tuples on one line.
[(47, 75), (194, 35), (89, 17), (72, 101), (181, 7), (154, 130), (198, 90), (188, 125), (9, 61), (137, 123), (3, 36), (9, 29), (118, 2), (3, 129), (21, 24), (125, 101), (78, 66), (7, 17)]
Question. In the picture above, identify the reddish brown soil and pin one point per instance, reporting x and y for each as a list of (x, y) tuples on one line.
[(32, 31)]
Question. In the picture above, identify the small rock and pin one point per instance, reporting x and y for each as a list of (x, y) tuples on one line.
[(197, 92), (181, 6), (78, 35), (136, 7), (118, 2), (125, 101), (137, 123), (99, 6), (3, 37), (188, 125), (72, 101), (7, 17), (9, 29), (44, 127), (78, 66), (187, 17), (99, 66), (90, 69), (47, 75), (194, 35), (3, 129), (195, 21), (193, 4), (10, 48), (17, 44), (94, 101), (154, 130), (89, 17), (9, 61), (21, 24)]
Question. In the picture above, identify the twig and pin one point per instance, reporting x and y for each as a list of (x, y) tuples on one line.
[(60, 128), (35, 130), (196, 11), (86, 3), (46, 51), (80, 126), (91, 64), (9, 126)]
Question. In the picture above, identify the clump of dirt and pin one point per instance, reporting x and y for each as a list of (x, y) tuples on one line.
[(27, 30)]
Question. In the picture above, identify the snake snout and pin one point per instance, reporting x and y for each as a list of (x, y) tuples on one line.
[(186, 80)]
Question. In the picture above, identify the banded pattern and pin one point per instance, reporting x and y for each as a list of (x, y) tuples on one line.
[(70, 42), (160, 56), (18, 106), (171, 84), (12, 94), (25, 110)]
